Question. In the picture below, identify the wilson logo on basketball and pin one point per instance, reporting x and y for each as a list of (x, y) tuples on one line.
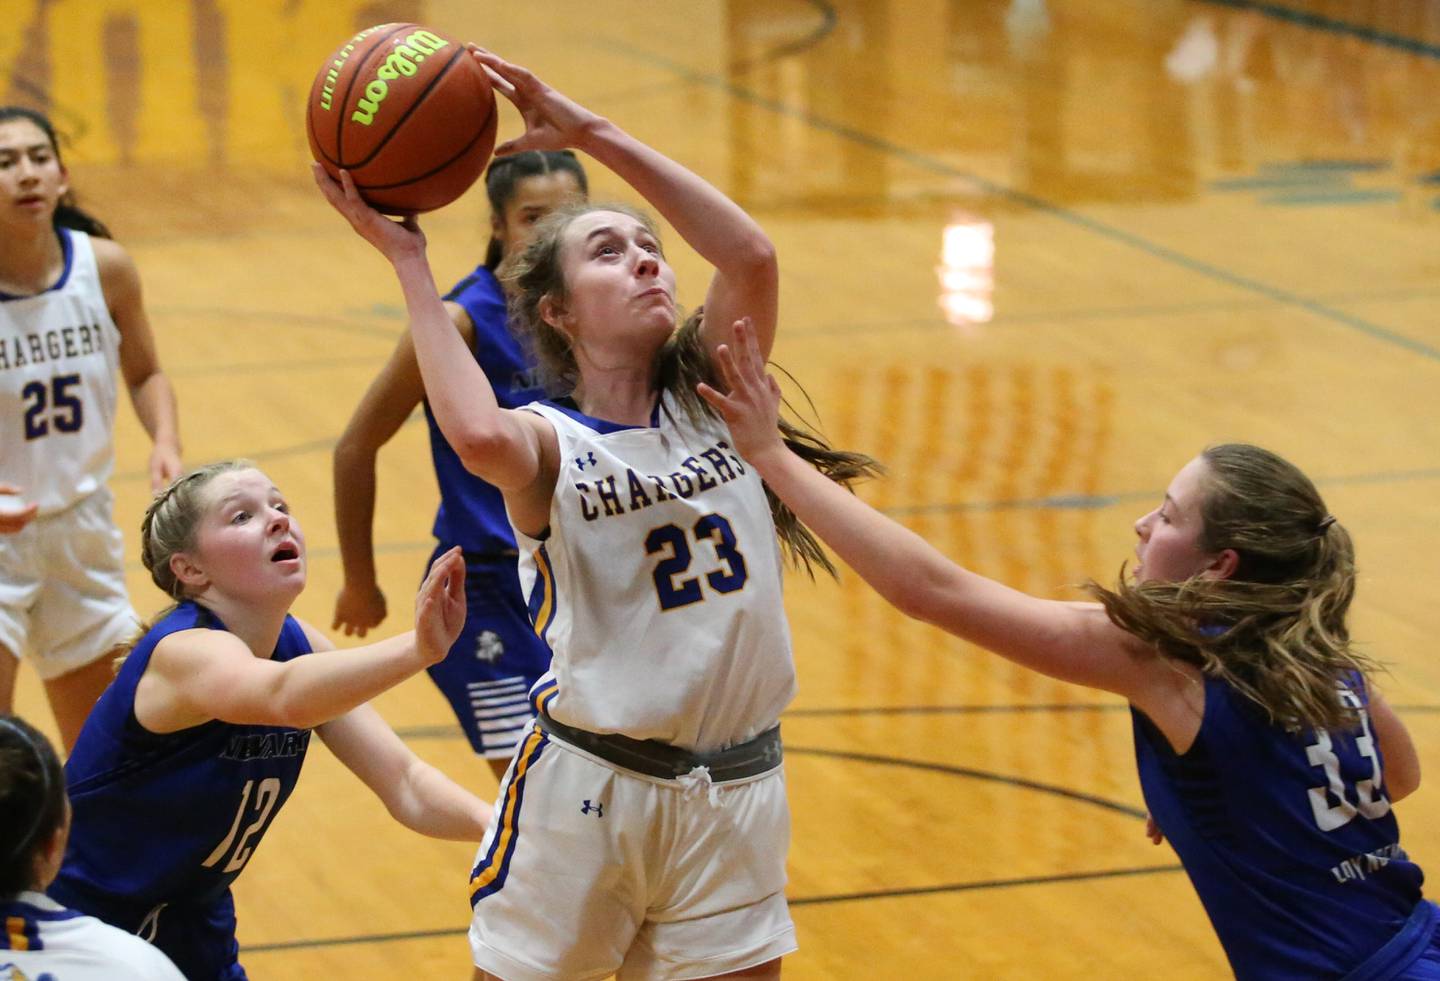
[(332, 75), (400, 63)]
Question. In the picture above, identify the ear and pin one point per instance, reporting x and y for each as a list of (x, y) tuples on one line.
[(188, 572), (552, 313), (64, 181), (497, 226), (1223, 565)]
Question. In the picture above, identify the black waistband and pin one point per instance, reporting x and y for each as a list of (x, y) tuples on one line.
[(656, 759)]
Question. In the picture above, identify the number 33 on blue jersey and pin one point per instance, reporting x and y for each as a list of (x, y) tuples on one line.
[(1368, 794)]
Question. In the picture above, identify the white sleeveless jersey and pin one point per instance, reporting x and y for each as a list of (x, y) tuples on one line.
[(659, 586), (59, 355), (42, 939)]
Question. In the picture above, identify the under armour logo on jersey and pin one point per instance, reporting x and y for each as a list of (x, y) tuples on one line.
[(588, 460), (598, 807)]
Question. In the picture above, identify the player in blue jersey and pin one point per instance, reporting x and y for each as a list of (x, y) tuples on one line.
[(72, 319), (195, 747), (1265, 755), (39, 938), (489, 671)]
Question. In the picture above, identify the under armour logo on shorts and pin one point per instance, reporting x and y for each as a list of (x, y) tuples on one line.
[(598, 807)]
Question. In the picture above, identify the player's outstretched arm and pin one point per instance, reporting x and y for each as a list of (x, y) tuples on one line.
[(746, 279), (501, 446), (1070, 641), (415, 793), (198, 675)]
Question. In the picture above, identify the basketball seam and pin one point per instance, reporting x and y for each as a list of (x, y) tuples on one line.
[(430, 173), (350, 87), (414, 104)]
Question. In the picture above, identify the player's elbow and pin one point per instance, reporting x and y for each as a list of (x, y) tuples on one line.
[(927, 596), (1403, 780), (754, 259), (353, 450)]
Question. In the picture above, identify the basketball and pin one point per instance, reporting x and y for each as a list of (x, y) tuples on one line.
[(408, 112)]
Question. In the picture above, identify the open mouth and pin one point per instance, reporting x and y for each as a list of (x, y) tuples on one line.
[(285, 553)]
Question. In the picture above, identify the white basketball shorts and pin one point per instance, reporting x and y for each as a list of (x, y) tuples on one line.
[(591, 870)]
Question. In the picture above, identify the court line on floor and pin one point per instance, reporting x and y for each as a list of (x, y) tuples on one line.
[(934, 165), (1331, 25), (800, 901)]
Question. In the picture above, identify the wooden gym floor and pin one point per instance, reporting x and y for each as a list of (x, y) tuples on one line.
[(1035, 254)]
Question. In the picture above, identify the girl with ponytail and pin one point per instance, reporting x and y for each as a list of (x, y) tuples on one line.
[(1265, 754), (72, 319)]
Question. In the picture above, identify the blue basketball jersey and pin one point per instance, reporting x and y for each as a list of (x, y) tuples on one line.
[(472, 512), (1288, 838), (171, 818)]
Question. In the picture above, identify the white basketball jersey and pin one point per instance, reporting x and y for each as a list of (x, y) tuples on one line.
[(659, 586), (59, 354), (45, 940)]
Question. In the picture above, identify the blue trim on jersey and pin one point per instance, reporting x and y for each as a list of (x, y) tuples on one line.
[(543, 601), (544, 693), (67, 249), (489, 874), (472, 512), (568, 406), (22, 930)]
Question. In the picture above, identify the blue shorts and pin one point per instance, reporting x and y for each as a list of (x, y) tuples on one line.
[(489, 670), (198, 937)]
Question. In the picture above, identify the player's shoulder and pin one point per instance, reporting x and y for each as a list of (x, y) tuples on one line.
[(109, 254), (117, 955), (116, 268), (317, 638)]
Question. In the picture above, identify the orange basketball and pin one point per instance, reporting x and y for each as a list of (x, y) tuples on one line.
[(408, 111)]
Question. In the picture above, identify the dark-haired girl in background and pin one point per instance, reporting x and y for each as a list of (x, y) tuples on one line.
[(71, 317)]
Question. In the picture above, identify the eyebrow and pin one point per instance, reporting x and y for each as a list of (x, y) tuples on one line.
[(28, 148)]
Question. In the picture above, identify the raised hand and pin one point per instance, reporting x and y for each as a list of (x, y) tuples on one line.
[(751, 407), (552, 121), (440, 607), (14, 512), (395, 239), (359, 608)]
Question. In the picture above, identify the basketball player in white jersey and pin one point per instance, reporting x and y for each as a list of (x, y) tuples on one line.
[(39, 938), (643, 823), (71, 317)]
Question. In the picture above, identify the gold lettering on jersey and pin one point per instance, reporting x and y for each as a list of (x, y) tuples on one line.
[(403, 62), (612, 495)]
